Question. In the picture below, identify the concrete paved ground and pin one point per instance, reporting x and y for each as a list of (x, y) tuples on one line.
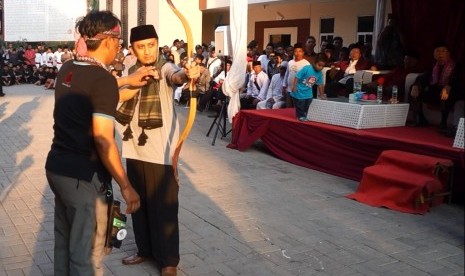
[(241, 213)]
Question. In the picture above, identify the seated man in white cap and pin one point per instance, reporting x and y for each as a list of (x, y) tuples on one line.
[(276, 94), (257, 87)]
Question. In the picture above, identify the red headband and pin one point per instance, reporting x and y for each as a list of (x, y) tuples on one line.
[(81, 47), (115, 32)]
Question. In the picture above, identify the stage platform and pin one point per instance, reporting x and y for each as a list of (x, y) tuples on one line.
[(339, 150)]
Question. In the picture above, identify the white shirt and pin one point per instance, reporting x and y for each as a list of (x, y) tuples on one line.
[(49, 59), (292, 69), (44, 58), (275, 90), (38, 59), (57, 56), (161, 141), (176, 56), (264, 60), (214, 65), (221, 76), (262, 82), (349, 72)]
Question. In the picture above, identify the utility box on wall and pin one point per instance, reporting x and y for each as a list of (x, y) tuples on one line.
[(223, 46)]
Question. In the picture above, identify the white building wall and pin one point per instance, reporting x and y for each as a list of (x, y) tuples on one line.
[(132, 17), (344, 12), (167, 24), (117, 8)]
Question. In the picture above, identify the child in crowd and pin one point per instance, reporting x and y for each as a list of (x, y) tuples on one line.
[(34, 75), (6, 76), (40, 76), (50, 78), (302, 88), (27, 73), (18, 74)]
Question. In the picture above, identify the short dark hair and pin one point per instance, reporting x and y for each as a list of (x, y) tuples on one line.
[(252, 44), (330, 47), (321, 57), (96, 22), (311, 37), (298, 45), (439, 44), (183, 56)]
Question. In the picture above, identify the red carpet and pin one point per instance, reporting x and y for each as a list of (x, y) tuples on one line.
[(338, 150), (404, 182)]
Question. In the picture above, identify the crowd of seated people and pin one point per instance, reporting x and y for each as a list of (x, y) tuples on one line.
[(437, 87), (34, 65), (344, 61), (27, 74)]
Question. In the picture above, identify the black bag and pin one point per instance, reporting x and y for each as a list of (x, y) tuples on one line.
[(116, 227)]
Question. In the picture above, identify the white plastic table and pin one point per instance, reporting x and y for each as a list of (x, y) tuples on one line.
[(358, 115)]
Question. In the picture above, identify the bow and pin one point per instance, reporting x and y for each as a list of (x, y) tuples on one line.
[(193, 100)]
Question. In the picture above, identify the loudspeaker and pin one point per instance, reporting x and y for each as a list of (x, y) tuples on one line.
[(223, 45)]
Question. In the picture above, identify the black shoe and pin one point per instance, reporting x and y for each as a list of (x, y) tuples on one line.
[(2, 94)]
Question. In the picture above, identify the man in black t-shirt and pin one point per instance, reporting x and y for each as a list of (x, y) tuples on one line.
[(84, 155)]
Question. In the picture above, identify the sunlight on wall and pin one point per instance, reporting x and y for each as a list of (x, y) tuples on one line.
[(44, 20)]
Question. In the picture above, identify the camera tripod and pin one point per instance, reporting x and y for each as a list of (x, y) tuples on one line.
[(220, 122)]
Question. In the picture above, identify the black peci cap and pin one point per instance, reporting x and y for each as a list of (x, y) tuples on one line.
[(143, 32)]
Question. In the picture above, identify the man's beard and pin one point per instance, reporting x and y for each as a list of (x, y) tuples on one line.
[(148, 64)]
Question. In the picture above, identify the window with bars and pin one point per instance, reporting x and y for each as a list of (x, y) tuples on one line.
[(365, 26), (326, 29)]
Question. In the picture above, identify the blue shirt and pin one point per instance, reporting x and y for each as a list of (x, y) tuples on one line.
[(307, 77)]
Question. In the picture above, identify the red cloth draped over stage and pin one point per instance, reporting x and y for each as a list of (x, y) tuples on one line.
[(338, 150)]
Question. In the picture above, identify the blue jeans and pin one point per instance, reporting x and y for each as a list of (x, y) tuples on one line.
[(301, 107)]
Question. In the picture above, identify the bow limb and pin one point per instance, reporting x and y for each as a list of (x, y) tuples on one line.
[(193, 100)]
